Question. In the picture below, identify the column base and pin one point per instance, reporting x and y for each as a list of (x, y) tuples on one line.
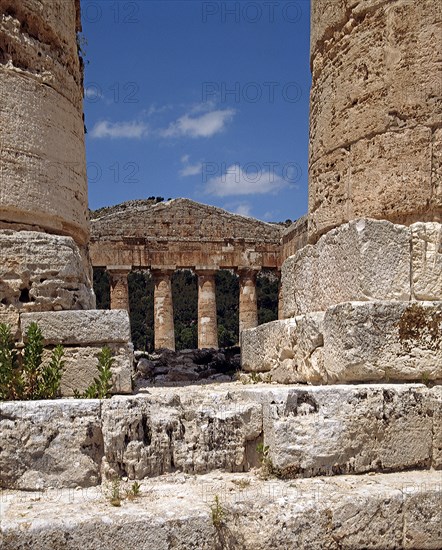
[(43, 272)]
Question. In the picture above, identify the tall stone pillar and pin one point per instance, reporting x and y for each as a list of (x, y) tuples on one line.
[(119, 290), (164, 330), (248, 303), (44, 226), (207, 321), (281, 315), (375, 113)]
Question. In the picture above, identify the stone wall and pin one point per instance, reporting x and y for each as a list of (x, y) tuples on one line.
[(376, 112)]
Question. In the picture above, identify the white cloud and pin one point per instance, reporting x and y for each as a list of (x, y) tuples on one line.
[(237, 181), (113, 130), (190, 169), (206, 125), (243, 209)]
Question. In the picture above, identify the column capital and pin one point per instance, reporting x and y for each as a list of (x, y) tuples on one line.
[(123, 269), (162, 268), (247, 271), (200, 271)]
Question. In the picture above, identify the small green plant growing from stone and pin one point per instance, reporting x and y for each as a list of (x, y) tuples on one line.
[(115, 492), (267, 468), (24, 375), (101, 387), (134, 491), (218, 512)]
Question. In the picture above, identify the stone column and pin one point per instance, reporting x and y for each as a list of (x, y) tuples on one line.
[(207, 322), (119, 290), (164, 330), (248, 304)]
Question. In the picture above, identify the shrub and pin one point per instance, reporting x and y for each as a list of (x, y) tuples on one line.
[(25, 376)]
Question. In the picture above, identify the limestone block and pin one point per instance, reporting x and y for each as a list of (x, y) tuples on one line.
[(426, 261), (11, 318), (359, 261), (422, 515), (290, 350), (39, 271), (81, 367), (383, 341), (145, 436), (323, 430), (264, 347), (350, 512), (436, 165), (391, 175), (436, 396), (54, 443), (80, 327)]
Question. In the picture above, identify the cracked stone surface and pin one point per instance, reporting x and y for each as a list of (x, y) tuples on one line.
[(381, 511), (311, 431)]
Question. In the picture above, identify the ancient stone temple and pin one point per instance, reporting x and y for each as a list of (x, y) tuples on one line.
[(183, 234), (45, 271), (347, 452)]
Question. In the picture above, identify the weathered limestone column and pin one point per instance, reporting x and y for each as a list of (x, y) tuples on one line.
[(119, 289), (248, 303), (281, 315), (44, 225), (207, 321), (164, 330), (375, 112)]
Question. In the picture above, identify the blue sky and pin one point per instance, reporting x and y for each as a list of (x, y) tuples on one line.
[(200, 99)]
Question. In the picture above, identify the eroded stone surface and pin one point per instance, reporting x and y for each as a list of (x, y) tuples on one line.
[(80, 327), (360, 260), (41, 272), (81, 368), (383, 341), (50, 444), (349, 429), (191, 431), (311, 431), (346, 512), (375, 105)]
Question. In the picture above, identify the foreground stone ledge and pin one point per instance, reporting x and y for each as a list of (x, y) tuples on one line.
[(310, 431), (80, 327), (383, 511), (56, 443), (351, 429)]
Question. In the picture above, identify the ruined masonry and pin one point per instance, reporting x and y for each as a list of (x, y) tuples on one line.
[(346, 451), (45, 271)]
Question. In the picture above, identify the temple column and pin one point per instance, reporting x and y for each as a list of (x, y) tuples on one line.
[(164, 330), (248, 303), (119, 290), (207, 321)]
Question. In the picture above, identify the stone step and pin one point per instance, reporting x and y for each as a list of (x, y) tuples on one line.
[(379, 511), (309, 431)]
